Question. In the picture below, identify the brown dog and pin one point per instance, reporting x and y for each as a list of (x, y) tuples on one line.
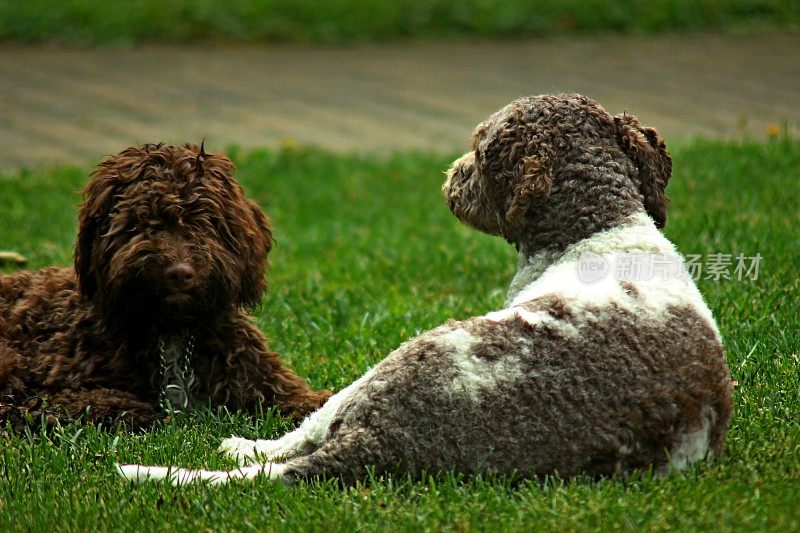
[(170, 255)]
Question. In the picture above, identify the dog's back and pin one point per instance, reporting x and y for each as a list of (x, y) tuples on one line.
[(36, 309), (35, 294)]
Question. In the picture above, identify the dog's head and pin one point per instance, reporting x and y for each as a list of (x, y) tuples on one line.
[(557, 163), (166, 233)]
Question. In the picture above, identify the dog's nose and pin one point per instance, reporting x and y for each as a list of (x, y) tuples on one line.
[(179, 275)]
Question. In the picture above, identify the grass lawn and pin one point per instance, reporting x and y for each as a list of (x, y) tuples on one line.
[(88, 22), (367, 256)]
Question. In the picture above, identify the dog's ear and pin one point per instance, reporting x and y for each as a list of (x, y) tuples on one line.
[(533, 178), (257, 245), (98, 197), (512, 156), (649, 153)]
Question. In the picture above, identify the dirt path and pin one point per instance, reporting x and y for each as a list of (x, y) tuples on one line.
[(70, 106)]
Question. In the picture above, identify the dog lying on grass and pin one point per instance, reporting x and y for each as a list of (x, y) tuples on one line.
[(170, 255), (574, 376)]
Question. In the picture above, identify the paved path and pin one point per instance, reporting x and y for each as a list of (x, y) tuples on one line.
[(70, 106)]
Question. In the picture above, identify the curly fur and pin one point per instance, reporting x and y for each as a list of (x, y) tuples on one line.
[(570, 377), (86, 338)]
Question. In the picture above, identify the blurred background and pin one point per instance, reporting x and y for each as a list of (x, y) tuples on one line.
[(80, 78)]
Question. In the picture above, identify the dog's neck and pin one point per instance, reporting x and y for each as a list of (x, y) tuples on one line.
[(637, 233)]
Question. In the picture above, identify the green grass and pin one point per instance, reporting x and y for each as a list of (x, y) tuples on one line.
[(368, 256), (88, 22)]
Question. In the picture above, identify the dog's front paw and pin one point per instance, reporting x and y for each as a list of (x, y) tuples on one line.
[(250, 451), (239, 449)]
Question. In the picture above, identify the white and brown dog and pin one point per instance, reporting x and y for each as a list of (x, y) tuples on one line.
[(583, 372)]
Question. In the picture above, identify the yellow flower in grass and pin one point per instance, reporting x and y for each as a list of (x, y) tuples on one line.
[(774, 130), (287, 143)]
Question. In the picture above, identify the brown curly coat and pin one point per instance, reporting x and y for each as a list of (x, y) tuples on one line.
[(168, 246)]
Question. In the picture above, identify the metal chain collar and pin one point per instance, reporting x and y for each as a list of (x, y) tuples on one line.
[(177, 379)]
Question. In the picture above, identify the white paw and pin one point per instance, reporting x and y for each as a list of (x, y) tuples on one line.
[(239, 449), (247, 451)]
